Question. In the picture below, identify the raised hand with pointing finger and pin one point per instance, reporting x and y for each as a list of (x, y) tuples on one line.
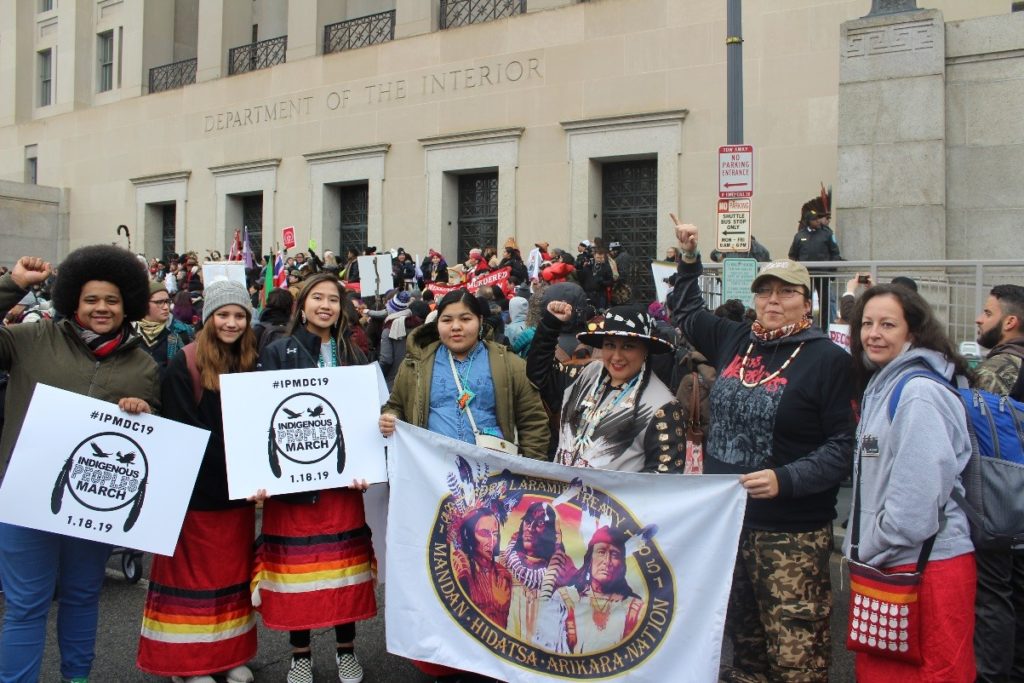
[(686, 234)]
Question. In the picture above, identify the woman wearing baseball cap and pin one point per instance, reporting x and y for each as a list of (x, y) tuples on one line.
[(781, 419)]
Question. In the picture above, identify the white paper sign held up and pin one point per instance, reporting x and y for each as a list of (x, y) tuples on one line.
[(104, 475), (289, 431)]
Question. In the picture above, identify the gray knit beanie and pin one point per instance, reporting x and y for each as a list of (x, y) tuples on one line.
[(221, 293)]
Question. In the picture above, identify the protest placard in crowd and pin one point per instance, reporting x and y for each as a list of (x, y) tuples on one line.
[(302, 430), (104, 475)]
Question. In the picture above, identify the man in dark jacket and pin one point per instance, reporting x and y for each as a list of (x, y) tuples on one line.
[(998, 634), (814, 241)]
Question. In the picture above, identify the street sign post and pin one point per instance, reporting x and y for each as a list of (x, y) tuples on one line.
[(736, 171), (733, 225)]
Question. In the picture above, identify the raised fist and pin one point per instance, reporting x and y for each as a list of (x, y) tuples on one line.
[(561, 310), (29, 271)]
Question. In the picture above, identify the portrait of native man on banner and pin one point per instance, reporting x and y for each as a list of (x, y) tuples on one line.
[(551, 575)]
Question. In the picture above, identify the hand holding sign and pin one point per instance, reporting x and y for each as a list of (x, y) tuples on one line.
[(686, 234)]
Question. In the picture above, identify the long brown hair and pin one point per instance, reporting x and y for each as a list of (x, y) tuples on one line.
[(215, 358), (927, 331), (339, 331)]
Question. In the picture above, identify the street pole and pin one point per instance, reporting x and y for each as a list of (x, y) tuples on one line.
[(734, 71)]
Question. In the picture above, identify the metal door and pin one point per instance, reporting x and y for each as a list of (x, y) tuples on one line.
[(252, 218), (167, 229), (478, 212), (354, 200), (629, 208)]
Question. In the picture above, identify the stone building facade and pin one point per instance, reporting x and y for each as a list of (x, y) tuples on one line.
[(427, 123)]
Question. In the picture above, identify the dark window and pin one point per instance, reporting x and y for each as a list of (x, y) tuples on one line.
[(629, 215), (168, 231), (478, 212), (45, 78), (252, 218), (31, 164), (353, 200), (45, 5), (105, 54)]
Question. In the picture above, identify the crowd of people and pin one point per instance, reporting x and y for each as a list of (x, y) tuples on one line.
[(559, 363)]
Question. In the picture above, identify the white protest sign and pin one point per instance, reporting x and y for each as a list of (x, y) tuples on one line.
[(737, 276), (103, 475), (840, 335), (288, 431), (375, 278), (662, 271), (224, 270), (734, 225)]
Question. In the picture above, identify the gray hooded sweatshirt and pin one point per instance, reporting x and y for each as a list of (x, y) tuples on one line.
[(910, 465)]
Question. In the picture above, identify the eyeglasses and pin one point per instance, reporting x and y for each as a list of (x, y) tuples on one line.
[(781, 292), (161, 302)]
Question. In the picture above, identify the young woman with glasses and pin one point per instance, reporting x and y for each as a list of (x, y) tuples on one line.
[(162, 335)]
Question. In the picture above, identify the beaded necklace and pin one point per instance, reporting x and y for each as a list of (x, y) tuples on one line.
[(334, 356), (769, 378)]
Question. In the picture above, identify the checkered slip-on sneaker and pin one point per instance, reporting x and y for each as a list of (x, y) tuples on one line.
[(349, 668), (301, 670)]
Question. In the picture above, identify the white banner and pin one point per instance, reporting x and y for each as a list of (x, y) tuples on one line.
[(302, 430), (83, 468), (662, 271), (527, 570)]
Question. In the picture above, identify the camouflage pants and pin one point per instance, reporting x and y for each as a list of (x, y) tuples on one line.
[(779, 608)]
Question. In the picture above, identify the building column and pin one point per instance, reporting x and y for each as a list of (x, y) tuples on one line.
[(415, 17), (223, 24), (892, 135)]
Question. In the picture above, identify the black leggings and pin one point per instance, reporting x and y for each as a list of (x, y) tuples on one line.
[(343, 633)]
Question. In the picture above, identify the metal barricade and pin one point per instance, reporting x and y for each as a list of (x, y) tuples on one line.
[(956, 289)]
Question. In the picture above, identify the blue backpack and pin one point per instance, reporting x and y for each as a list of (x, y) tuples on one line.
[(994, 477)]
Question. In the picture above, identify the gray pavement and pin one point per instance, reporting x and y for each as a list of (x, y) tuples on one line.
[(121, 610)]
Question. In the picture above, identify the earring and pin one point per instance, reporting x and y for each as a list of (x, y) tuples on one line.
[(303, 316)]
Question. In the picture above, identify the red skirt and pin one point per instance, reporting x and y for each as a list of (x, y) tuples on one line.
[(198, 617), (314, 563), (947, 628)]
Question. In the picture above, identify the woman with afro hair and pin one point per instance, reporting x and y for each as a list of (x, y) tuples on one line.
[(93, 351)]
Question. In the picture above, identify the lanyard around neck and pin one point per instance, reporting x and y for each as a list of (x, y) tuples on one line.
[(464, 396)]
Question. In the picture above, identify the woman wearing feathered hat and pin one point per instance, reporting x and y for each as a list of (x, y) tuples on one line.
[(92, 351), (615, 414), (781, 419)]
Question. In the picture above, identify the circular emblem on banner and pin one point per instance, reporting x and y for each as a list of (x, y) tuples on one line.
[(305, 428), (104, 472), (555, 577)]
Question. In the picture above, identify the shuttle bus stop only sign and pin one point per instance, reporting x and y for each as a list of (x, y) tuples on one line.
[(736, 171), (734, 225)]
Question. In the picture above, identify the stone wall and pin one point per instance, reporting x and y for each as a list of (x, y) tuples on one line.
[(33, 222), (931, 137)]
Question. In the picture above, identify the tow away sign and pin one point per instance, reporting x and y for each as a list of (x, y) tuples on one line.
[(735, 171), (734, 225)]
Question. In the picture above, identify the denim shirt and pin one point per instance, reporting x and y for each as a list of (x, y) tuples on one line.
[(445, 415)]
